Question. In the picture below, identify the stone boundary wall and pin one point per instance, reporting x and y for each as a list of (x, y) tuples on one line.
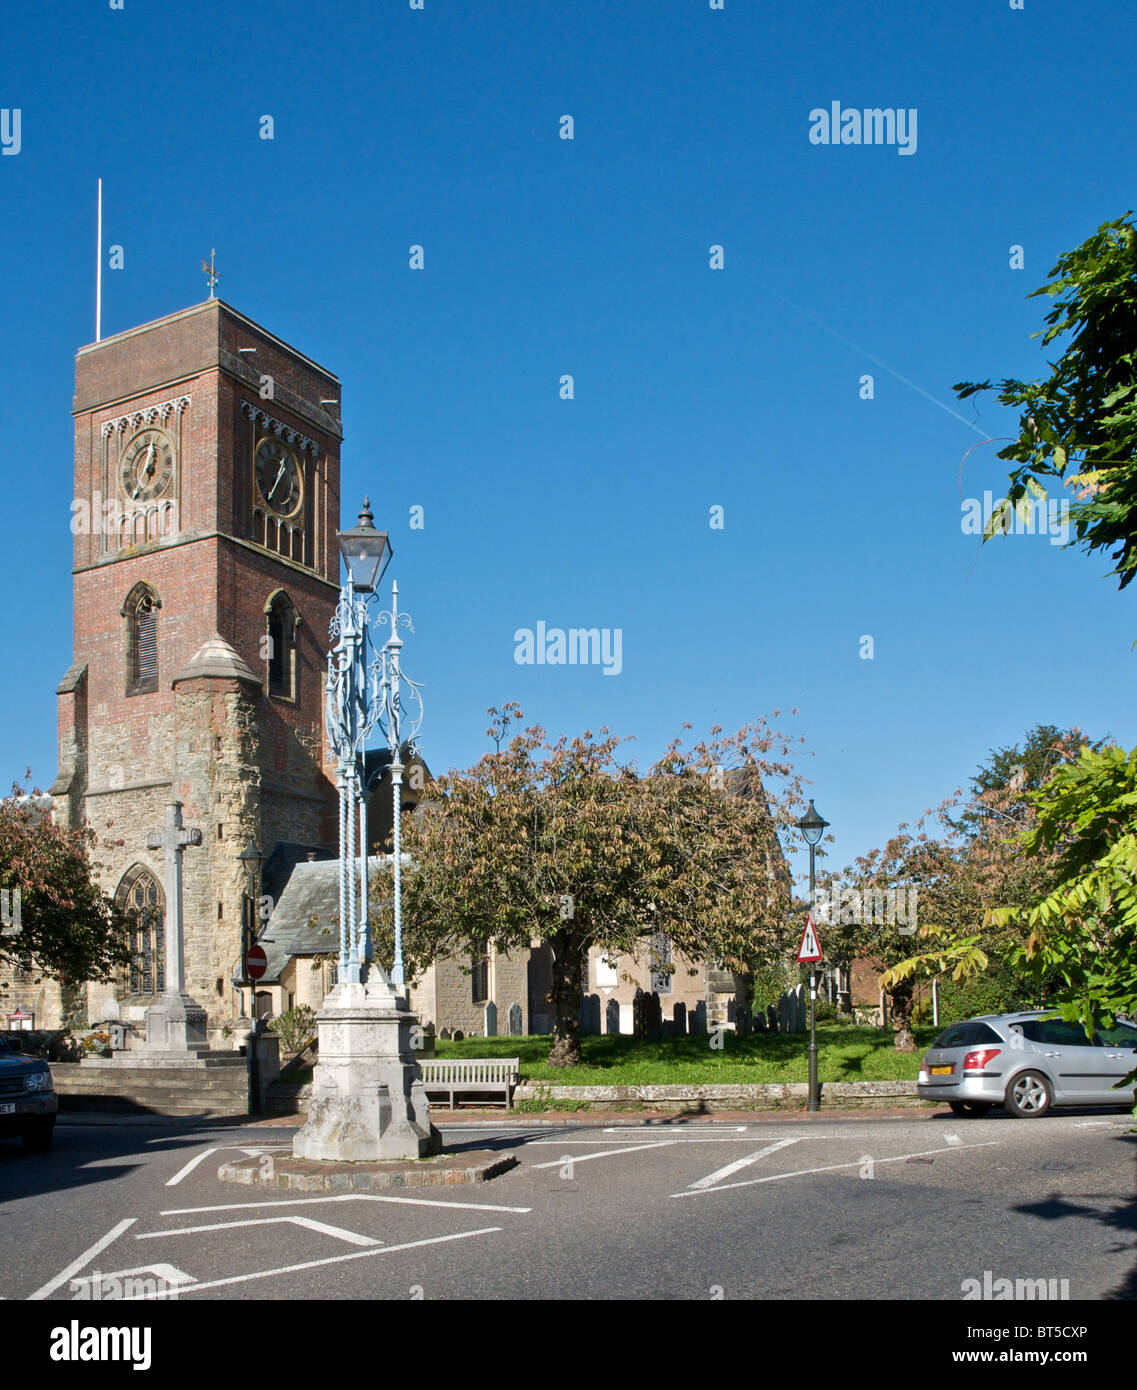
[(854, 1095)]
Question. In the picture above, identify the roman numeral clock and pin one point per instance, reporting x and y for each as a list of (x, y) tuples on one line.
[(141, 454), (281, 460)]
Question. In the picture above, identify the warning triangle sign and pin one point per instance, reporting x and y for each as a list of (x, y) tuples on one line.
[(810, 948)]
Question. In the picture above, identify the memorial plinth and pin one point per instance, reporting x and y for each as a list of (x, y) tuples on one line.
[(367, 1100)]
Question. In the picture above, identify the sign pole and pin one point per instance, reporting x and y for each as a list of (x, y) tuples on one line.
[(809, 952)]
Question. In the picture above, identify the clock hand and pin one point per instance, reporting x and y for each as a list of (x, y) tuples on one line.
[(276, 483)]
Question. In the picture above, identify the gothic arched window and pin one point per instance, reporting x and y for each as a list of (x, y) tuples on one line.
[(141, 613), (480, 971), (141, 899), (281, 623)]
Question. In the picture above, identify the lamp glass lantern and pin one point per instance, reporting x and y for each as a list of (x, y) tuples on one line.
[(366, 551), (812, 825)]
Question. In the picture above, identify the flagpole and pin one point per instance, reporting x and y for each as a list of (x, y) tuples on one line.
[(99, 271)]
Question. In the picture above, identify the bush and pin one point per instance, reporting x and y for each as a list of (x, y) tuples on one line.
[(1000, 989), (295, 1027)]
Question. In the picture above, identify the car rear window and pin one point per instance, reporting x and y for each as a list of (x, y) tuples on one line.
[(966, 1035)]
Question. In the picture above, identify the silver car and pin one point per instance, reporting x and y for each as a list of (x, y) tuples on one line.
[(1028, 1062)]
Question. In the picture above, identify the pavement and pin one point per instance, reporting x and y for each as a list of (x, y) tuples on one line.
[(774, 1207)]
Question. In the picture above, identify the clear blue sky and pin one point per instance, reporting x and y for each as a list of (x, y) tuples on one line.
[(694, 387)]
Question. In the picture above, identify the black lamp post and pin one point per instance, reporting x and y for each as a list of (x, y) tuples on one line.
[(812, 826)]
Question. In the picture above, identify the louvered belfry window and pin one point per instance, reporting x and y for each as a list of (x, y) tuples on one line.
[(147, 641), (141, 641), (281, 628)]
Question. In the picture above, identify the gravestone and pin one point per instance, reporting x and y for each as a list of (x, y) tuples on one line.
[(699, 1019), (679, 1020), (653, 1017), (638, 1014), (491, 1019), (458, 1035), (515, 1020), (742, 1020), (590, 1015), (446, 1033), (612, 1016), (759, 1022), (771, 1018)]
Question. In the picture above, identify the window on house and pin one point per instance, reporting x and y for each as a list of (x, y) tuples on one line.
[(280, 626), (481, 978), (607, 976), (141, 614)]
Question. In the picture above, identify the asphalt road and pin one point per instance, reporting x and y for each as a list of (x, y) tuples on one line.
[(782, 1209)]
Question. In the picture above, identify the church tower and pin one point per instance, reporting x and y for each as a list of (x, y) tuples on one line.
[(205, 577)]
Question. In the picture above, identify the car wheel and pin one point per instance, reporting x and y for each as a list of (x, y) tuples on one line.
[(1028, 1096), (969, 1107), (37, 1137)]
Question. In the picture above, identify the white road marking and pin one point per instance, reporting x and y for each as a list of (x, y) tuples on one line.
[(830, 1168), (644, 1129), (342, 1197), (331, 1260), (610, 1153), (85, 1258), (176, 1278), (190, 1166), (306, 1221), (740, 1163), (952, 1139)]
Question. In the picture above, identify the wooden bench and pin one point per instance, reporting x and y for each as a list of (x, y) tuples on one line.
[(472, 1074)]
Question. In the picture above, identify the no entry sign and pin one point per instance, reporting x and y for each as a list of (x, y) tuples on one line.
[(256, 962), (810, 948)]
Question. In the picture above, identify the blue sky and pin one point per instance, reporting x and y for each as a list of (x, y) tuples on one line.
[(693, 387)]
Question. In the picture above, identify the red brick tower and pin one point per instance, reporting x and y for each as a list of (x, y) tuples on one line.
[(206, 567)]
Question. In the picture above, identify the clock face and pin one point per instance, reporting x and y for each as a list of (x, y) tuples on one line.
[(147, 465), (278, 477)]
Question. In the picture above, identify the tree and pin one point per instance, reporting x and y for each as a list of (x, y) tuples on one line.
[(971, 864), (67, 926), (561, 842), (1079, 424), (1085, 928)]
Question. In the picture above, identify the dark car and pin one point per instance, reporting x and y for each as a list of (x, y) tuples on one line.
[(28, 1103)]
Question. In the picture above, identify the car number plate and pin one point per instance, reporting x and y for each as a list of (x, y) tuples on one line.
[(941, 1071), (7, 1109)]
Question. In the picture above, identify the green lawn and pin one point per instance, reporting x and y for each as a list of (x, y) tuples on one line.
[(844, 1053)]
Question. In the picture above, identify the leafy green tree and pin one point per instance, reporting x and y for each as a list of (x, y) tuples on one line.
[(1085, 928), (561, 842), (1079, 424), (68, 928)]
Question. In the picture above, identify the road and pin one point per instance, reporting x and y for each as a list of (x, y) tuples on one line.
[(907, 1208)]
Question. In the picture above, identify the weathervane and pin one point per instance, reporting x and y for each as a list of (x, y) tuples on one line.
[(209, 270)]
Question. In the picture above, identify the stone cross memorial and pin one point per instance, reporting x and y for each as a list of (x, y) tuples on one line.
[(176, 1023)]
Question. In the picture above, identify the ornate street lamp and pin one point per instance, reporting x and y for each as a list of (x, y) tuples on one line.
[(349, 718), (812, 826), (368, 1101), (387, 682)]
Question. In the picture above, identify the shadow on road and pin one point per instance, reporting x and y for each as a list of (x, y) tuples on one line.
[(1121, 1217)]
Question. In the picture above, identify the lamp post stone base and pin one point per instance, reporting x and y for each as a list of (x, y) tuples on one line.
[(367, 1100)]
